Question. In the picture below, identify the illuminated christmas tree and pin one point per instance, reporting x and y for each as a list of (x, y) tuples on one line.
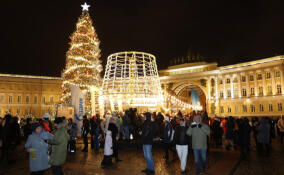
[(83, 66)]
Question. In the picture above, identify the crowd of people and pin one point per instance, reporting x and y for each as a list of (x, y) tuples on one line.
[(49, 142)]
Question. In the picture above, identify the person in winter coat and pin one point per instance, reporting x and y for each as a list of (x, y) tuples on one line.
[(27, 128), (168, 133), (94, 126), (147, 135), (59, 146), (181, 140), (263, 136), (229, 134), (114, 133), (217, 132), (7, 138), (108, 151), (38, 149), (244, 137), (280, 125), (199, 132), (85, 132), (73, 136)]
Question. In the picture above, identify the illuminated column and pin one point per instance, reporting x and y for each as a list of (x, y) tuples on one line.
[(232, 87), (273, 81), (247, 86), (216, 89), (224, 88), (255, 83), (282, 79), (209, 89), (263, 82), (240, 88)]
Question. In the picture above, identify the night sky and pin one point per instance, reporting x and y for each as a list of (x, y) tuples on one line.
[(36, 34)]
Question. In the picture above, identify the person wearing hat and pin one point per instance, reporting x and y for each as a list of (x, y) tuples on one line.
[(59, 146), (147, 135), (85, 132), (38, 149)]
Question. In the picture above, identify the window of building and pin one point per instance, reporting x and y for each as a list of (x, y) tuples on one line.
[(222, 109), (279, 106), (27, 99), (277, 74), (279, 90), (26, 112), (229, 109), (244, 92), (261, 108), (221, 94), (228, 80), (51, 99), (243, 79), (18, 111), (19, 99), (252, 91), (236, 108), (236, 92), (269, 90), (235, 80), (245, 108), (35, 99), (268, 75), (259, 77), (251, 78), (43, 99), (252, 107), (260, 90), (228, 93), (221, 81), (270, 107), (10, 99)]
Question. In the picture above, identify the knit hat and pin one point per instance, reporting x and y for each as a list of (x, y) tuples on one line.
[(35, 125), (58, 120), (147, 115)]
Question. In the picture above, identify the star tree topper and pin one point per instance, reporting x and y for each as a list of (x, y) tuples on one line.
[(85, 6)]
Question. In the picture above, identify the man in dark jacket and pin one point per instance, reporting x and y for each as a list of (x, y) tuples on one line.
[(147, 141), (85, 132), (168, 132), (114, 133), (181, 140)]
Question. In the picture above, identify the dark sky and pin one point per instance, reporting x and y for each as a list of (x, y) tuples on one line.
[(36, 34)]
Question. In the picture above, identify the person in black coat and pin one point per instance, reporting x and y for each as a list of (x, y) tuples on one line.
[(7, 138), (114, 133), (181, 139), (93, 131), (85, 132), (244, 137), (147, 135), (27, 129)]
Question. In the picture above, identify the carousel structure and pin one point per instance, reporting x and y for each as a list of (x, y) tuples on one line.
[(131, 79)]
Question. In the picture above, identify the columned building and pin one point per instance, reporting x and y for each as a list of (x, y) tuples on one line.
[(24, 95), (248, 89)]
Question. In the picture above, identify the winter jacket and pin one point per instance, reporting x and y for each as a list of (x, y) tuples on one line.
[(263, 135), (37, 143), (147, 133), (85, 128), (113, 128), (168, 131), (108, 144), (59, 145), (199, 135), (180, 136)]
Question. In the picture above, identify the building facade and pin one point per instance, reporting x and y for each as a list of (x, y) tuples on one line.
[(248, 89), (28, 95)]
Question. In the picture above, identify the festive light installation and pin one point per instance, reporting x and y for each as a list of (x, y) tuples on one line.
[(132, 78), (83, 66)]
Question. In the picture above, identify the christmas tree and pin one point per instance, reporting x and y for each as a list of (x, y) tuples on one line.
[(83, 66)]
